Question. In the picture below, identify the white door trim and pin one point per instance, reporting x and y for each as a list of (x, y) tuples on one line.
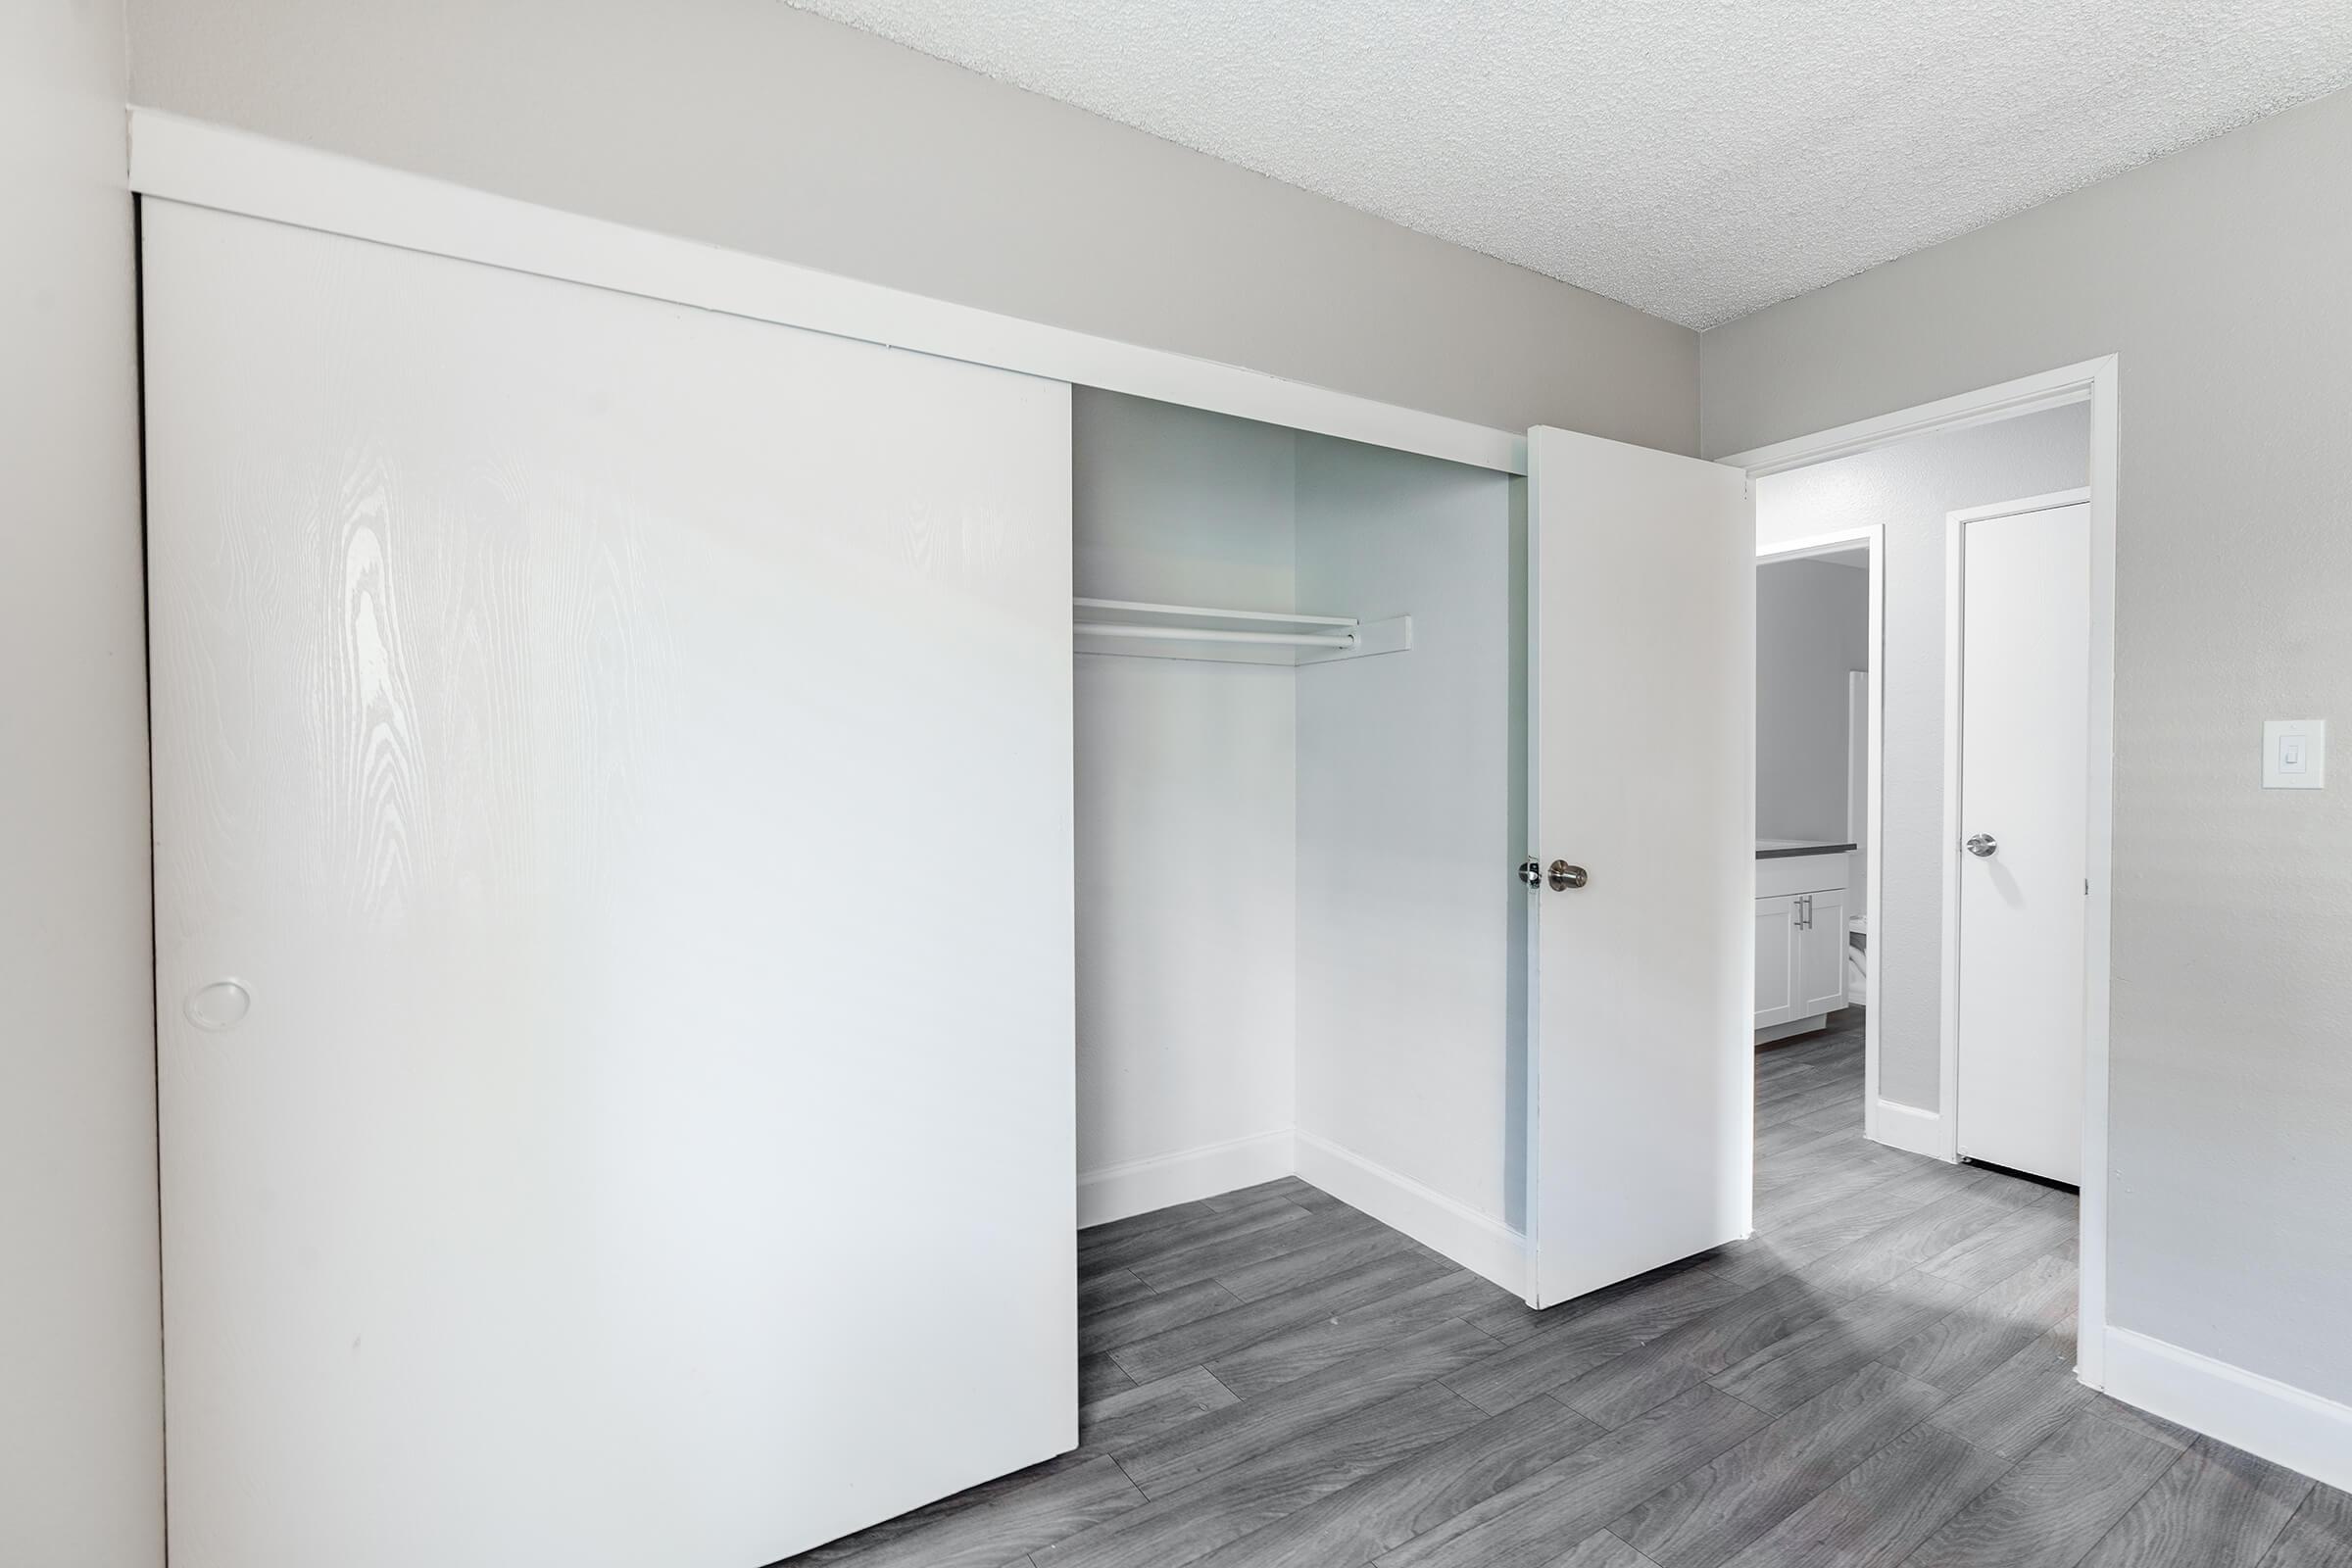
[(2028, 394), (2095, 382), (1876, 1126), (204, 165), (1948, 1012)]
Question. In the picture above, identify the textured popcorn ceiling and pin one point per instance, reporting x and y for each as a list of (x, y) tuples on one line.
[(1695, 158)]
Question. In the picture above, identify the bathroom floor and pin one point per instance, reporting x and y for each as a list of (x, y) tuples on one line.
[(1881, 1376)]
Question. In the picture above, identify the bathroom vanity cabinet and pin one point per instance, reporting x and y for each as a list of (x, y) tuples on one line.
[(1801, 908)]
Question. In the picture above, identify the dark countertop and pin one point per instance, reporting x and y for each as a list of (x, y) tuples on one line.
[(1783, 849)]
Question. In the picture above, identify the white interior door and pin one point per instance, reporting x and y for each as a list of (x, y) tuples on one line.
[(2025, 687), (1641, 604), (613, 812)]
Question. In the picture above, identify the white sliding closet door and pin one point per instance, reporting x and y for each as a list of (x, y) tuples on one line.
[(1641, 608), (613, 812)]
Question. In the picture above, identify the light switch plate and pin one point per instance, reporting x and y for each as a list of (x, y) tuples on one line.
[(2294, 753)]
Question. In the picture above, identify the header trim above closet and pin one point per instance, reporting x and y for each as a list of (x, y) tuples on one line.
[(205, 165)]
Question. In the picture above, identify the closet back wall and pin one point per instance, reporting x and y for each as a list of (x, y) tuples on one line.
[(1187, 809), (1411, 800), (753, 126)]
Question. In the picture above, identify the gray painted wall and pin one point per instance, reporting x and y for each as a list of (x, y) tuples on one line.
[(2219, 277), (1910, 488), (80, 1338), (1812, 627), (753, 126)]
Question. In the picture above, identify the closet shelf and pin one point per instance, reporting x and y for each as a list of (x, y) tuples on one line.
[(1140, 629), (1215, 634), (1142, 613)]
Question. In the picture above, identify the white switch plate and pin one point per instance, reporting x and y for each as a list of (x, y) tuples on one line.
[(2294, 753)]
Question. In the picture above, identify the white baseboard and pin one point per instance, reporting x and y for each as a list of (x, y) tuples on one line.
[(1142, 1185), (1910, 1129), (1771, 1034), (2269, 1419), (1473, 1239)]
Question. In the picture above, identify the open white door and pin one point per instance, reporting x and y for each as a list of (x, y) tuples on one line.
[(1641, 698), (612, 870)]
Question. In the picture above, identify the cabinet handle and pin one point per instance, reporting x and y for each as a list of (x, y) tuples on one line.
[(1804, 912)]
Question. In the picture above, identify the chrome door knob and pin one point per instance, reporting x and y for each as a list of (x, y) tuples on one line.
[(1981, 846), (1562, 876)]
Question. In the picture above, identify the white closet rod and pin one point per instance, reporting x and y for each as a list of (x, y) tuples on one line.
[(1188, 634), (1275, 617)]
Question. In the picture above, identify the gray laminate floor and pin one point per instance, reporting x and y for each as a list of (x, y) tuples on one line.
[(1883, 1375)]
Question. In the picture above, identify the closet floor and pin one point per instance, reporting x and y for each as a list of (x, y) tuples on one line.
[(1883, 1375)]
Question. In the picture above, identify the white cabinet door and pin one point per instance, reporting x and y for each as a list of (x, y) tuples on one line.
[(1776, 960), (612, 869), (1821, 954), (1642, 676)]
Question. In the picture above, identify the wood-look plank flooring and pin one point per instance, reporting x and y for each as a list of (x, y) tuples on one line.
[(1881, 1376)]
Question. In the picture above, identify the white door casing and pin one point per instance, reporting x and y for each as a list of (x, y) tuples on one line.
[(1641, 701), (1857, 773), (2024, 660), (623, 754), (1776, 959)]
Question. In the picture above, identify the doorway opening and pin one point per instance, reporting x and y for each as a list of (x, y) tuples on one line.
[(2029, 466), (1816, 626)]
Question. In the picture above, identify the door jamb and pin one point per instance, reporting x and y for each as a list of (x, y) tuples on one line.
[(1872, 538), (2095, 382)]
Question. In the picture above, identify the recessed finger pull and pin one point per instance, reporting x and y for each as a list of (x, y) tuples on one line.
[(222, 1005)]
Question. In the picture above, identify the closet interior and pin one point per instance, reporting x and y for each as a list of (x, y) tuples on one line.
[(1299, 773)]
